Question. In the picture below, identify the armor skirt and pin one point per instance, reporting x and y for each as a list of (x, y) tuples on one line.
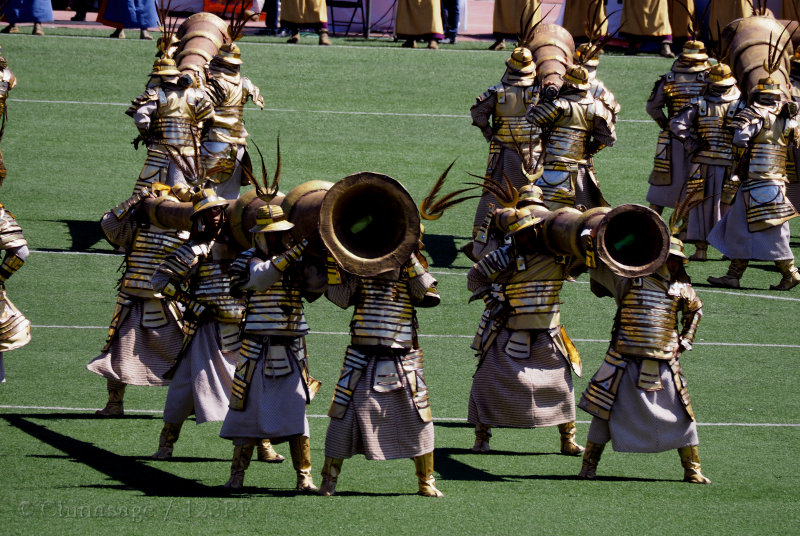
[(666, 195), (202, 382), (522, 393), (379, 425), (506, 162), (275, 407), (645, 421), (732, 237), (138, 355)]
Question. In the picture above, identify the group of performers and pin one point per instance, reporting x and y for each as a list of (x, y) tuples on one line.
[(223, 325)]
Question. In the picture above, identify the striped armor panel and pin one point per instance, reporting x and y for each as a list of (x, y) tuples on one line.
[(566, 143), (600, 92), (647, 324), (277, 311), (766, 204), (355, 362), (15, 329), (509, 119), (176, 131), (7, 82), (714, 139), (154, 169), (213, 287), (148, 251), (383, 314), (680, 88), (535, 298), (10, 231)]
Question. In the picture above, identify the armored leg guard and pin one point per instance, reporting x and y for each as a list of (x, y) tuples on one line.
[(267, 454), (239, 464), (731, 279), (114, 406), (482, 435), (427, 484), (330, 474), (700, 252), (690, 460), (324, 40), (166, 442), (790, 274), (568, 445), (591, 457), (300, 448)]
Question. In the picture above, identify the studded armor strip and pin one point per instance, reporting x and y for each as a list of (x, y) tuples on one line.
[(354, 364), (383, 315), (148, 251), (278, 311)]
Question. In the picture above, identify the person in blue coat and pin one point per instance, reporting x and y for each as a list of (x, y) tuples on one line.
[(121, 14), (35, 11)]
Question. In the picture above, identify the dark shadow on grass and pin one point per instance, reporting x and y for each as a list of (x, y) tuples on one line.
[(129, 471), (84, 234), (84, 416)]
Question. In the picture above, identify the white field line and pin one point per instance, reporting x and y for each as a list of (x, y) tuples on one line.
[(294, 111), (456, 336), (439, 419)]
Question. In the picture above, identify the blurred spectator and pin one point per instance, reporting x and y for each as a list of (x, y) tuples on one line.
[(451, 16), (576, 18), (121, 14), (311, 14), (646, 21), (506, 19), (35, 11), (419, 20)]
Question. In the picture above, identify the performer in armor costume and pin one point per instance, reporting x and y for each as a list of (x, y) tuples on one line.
[(513, 142), (15, 329), (225, 144), (271, 386), (589, 60), (195, 275), (169, 118), (757, 225), (7, 82), (380, 405), (638, 398), (793, 156), (703, 128), (575, 126), (674, 90), (524, 375), (145, 333)]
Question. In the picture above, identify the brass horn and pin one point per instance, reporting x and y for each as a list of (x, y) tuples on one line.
[(632, 240), (552, 48), (369, 223), (749, 42), (200, 37), (302, 206)]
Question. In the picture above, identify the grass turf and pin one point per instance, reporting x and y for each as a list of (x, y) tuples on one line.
[(340, 110)]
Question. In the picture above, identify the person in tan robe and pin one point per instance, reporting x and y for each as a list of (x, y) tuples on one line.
[(506, 19), (576, 15), (312, 14), (419, 20), (646, 20)]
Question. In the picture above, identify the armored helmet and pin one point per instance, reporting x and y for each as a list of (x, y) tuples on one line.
[(206, 199), (577, 76), (767, 86), (165, 67), (230, 54), (721, 75), (513, 220), (583, 51), (521, 61), (676, 247), (271, 218), (694, 52), (530, 194)]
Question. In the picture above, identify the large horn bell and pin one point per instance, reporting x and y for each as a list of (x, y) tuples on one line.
[(369, 223)]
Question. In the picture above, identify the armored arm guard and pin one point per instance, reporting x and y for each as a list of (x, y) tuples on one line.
[(420, 281), (482, 111), (281, 262), (178, 265), (11, 240), (138, 102), (121, 210), (239, 271), (485, 271), (691, 313), (656, 102), (546, 113), (12, 262), (253, 92)]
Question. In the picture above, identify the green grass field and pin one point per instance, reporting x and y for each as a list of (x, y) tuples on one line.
[(339, 110)]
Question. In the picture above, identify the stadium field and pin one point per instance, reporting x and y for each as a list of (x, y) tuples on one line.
[(352, 107)]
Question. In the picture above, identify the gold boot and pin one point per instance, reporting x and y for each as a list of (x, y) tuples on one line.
[(330, 474), (690, 460), (482, 435), (427, 484), (166, 442), (591, 457), (790, 274), (239, 464), (114, 406), (267, 454), (731, 279), (300, 449), (568, 445)]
